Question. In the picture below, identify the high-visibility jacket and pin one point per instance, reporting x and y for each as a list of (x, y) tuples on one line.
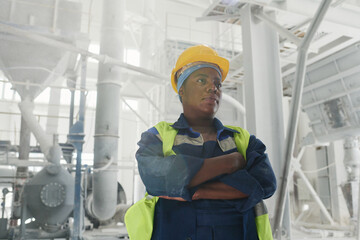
[(140, 216)]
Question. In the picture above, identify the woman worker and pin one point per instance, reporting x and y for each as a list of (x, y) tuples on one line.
[(209, 177)]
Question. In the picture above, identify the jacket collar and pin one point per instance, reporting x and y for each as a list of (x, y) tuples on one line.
[(182, 123)]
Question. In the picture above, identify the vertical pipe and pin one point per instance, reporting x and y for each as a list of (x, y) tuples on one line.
[(77, 196), (82, 89), (358, 213), (71, 83), (23, 218), (77, 201), (295, 109), (107, 112), (24, 146), (71, 117), (21, 172)]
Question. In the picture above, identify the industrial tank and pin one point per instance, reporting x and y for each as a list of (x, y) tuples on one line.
[(49, 197)]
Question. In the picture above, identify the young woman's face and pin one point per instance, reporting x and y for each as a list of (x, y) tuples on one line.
[(201, 92)]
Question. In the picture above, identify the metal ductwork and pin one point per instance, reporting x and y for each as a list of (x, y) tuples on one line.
[(107, 113)]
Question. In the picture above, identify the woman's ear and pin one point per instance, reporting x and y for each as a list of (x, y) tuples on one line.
[(181, 91)]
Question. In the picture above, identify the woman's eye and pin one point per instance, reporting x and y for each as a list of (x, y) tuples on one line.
[(200, 80), (219, 85)]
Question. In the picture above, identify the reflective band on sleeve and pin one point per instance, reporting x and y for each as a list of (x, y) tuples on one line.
[(260, 209)]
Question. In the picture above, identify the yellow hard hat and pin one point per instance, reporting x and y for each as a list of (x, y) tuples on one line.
[(199, 53)]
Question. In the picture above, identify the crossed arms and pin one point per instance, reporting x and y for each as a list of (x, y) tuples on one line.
[(184, 177)]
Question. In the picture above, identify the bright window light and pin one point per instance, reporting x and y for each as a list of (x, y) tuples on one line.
[(8, 92), (132, 56), (132, 103), (94, 48), (43, 97), (29, 220)]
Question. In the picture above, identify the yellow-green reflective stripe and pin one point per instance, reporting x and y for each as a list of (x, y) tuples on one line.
[(263, 227), (139, 219), (241, 139), (167, 134)]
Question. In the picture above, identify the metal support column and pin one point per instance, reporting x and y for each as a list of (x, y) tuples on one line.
[(263, 87), (295, 109)]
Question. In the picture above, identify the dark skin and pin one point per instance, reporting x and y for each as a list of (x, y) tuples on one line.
[(201, 95)]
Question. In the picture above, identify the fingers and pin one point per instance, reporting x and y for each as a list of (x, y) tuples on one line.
[(173, 198)]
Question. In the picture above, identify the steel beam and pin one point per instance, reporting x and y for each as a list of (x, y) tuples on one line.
[(295, 110)]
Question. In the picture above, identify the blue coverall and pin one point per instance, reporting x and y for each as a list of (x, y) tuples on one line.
[(202, 219)]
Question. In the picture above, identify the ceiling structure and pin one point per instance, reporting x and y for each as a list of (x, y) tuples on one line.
[(170, 26), (339, 29)]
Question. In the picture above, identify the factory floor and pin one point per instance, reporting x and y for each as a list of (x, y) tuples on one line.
[(108, 233), (119, 232), (297, 234)]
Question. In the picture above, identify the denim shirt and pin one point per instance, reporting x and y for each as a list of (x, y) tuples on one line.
[(169, 176)]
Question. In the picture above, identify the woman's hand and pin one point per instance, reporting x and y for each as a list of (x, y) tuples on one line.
[(216, 166), (237, 161), (218, 190), (173, 198)]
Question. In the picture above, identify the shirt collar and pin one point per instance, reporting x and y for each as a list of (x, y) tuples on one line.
[(181, 123)]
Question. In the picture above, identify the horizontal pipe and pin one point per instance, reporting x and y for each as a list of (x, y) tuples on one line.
[(105, 59), (235, 103)]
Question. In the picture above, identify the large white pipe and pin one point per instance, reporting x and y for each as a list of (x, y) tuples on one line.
[(48, 145), (234, 102), (107, 112)]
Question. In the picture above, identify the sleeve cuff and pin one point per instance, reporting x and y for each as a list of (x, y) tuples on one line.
[(244, 182)]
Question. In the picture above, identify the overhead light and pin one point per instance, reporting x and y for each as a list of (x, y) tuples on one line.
[(229, 2)]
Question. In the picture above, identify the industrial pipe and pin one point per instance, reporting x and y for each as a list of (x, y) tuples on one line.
[(102, 58), (235, 103), (295, 109), (107, 112), (51, 152)]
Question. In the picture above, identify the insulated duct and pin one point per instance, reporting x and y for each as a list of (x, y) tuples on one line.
[(26, 107), (107, 113)]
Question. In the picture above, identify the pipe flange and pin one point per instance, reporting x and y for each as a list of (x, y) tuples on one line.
[(52, 194)]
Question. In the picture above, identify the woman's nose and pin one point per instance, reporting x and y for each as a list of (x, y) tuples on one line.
[(212, 87)]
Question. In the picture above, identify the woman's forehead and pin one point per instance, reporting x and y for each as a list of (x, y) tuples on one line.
[(206, 72)]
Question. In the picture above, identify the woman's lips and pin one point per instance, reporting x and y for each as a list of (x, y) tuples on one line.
[(211, 99)]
